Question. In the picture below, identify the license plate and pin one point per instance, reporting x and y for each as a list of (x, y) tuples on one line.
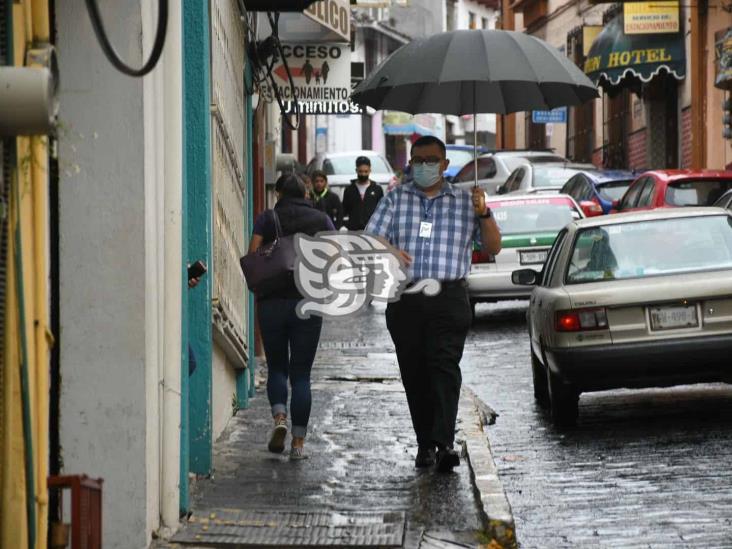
[(673, 317), (532, 258)]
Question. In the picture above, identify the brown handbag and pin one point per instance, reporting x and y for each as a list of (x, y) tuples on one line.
[(271, 267)]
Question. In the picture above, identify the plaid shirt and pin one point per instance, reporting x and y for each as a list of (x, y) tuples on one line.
[(446, 254)]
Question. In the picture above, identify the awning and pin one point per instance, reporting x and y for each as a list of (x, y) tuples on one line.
[(615, 55)]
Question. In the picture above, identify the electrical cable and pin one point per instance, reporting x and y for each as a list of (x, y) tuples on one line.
[(274, 23), (111, 53)]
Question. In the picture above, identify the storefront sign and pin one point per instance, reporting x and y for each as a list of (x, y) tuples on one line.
[(723, 57), (627, 58), (651, 17), (332, 14), (320, 72), (555, 116), (589, 33)]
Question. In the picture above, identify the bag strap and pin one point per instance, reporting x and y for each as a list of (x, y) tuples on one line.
[(278, 227)]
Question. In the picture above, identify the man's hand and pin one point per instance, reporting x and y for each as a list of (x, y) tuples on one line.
[(478, 200)]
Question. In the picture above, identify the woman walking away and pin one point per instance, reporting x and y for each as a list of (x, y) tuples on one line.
[(289, 342)]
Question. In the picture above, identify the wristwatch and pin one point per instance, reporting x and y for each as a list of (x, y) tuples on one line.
[(487, 215)]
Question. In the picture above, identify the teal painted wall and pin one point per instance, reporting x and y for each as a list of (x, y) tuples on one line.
[(250, 206), (197, 160)]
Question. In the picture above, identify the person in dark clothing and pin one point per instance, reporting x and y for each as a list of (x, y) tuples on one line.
[(361, 197), (290, 342), (326, 200)]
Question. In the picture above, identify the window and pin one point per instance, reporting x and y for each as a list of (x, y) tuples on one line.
[(645, 200), (571, 187), (485, 23), (533, 215), (473, 21), (641, 249), (515, 182), (551, 262), (613, 190), (340, 165), (697, 193), (631, 197)]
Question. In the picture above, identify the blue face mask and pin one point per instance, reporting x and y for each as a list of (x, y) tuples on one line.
[(425, 175)]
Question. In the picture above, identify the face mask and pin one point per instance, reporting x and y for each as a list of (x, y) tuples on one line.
[(425, 175), (363, 178)]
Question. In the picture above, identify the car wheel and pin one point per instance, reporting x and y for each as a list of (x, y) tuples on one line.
[(563, 400), (541, 386)]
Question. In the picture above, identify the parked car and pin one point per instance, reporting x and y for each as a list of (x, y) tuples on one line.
[(529, 225), (494, 168), (725, 201), (341, 169), (544, 177), (674, 188), (598, 191), (631, 300)]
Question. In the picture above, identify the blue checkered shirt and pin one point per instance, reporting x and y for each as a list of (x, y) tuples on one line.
[(446, 254)]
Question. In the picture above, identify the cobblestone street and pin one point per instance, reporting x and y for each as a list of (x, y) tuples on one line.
[(643, 468)]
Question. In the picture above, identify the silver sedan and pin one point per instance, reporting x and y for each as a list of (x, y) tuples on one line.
[(631, 300)]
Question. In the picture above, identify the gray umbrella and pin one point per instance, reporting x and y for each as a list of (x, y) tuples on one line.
[(475, 71)]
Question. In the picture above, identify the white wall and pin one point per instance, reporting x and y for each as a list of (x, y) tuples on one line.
[(105, 418), (224, 389)]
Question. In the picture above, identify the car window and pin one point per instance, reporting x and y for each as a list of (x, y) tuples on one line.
[(700, 192), (584, 190), (551, 260), (346, 165), (571, 186), (613, 190), (515, 184), (630, 199), (640, 249), (458, 157), (533, 215), (486, 168), (551, 177), (645, 199), (467, 173)]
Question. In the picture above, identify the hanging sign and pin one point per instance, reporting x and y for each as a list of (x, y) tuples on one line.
[(651, 17), (320, 73), (554, 116)]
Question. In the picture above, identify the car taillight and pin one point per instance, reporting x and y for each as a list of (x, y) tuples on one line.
[(582, 319), (481, 257)]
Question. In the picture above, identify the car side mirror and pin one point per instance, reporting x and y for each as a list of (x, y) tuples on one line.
[(525, 277)]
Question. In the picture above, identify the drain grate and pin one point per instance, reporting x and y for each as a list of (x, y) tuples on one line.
[(294, 529)]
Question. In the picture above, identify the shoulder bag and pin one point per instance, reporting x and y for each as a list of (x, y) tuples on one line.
[(271, 267)]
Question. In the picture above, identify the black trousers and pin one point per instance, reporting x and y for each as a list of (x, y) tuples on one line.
[(429, 335)]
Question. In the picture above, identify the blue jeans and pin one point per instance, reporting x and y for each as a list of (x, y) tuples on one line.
[(290, 344)]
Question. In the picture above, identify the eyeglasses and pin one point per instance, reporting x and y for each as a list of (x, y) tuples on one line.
[(432, 160)]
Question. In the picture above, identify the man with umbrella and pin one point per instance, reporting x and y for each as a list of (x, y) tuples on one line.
[(434, 226)]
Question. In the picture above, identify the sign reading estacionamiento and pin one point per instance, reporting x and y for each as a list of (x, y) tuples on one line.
[(320, 72), (651, 17)]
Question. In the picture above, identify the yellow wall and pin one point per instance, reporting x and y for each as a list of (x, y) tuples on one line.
[(28, 215)]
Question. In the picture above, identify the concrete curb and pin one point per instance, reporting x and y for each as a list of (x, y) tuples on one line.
[(495, 509)]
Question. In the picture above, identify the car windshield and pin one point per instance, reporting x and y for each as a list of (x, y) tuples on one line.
[(459, 158), (651, 248), (533, 215), (699, 192), (613, 190), (346, 165), (551, 177)]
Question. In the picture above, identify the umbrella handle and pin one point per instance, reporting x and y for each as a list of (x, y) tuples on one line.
[(475, 132)]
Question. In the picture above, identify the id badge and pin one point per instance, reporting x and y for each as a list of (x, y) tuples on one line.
[(425, 229)]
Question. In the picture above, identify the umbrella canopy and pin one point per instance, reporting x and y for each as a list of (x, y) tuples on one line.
[(475, 71)]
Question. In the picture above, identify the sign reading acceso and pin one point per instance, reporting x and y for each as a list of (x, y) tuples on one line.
[(320, 72)]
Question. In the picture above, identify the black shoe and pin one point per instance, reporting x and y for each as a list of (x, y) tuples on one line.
[(447, 458), (425, 457)]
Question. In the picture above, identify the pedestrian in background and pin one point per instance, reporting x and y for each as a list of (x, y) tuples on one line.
[(309, 194), (290, 342), (434, 226), (361, 197), (326, 200)]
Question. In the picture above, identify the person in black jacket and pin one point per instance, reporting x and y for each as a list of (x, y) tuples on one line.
[(361, 196), (290, 342), (326, 200)]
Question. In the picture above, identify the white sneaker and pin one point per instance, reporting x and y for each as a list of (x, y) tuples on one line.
[(277, 438)]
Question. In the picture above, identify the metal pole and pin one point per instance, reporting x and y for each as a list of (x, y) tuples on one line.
[(475, 131)]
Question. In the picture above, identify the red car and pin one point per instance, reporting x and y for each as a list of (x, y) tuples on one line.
[(674, 188)]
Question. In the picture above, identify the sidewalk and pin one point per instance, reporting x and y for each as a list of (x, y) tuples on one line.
[(359, 487)]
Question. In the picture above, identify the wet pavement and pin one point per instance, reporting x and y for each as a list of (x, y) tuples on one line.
[(643, 468), (361, 448)]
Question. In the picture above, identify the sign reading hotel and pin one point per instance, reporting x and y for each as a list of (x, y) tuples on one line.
[(651, 17), (320, 72), (620, 59)]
